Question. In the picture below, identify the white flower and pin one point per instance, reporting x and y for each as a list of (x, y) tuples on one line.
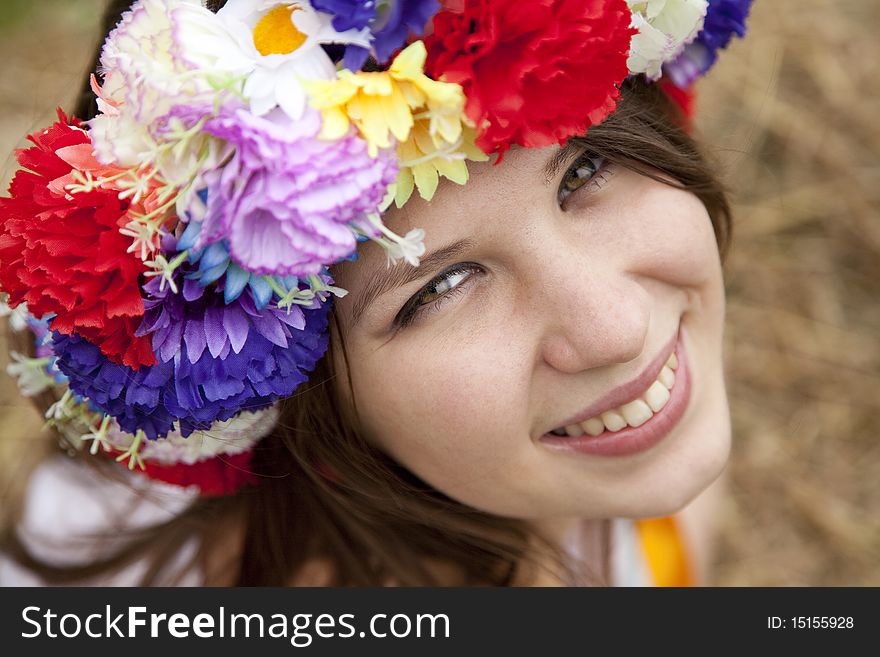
[(145, 75), (64, 410), (30, 373), (169, 62), (410, 247), (145, 238), (98, 436), (665, 28), (232, 436), (272, 44), (166, 270), (18, 316)]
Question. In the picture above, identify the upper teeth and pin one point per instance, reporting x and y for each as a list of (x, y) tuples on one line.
[(634, 413)]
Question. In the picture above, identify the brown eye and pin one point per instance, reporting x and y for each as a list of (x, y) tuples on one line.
[(578, 174), (441, 287), (444, 287)]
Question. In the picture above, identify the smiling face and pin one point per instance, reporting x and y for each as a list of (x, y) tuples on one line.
[(542, 310)]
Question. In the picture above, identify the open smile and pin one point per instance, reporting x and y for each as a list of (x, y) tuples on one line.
[(639, 423)]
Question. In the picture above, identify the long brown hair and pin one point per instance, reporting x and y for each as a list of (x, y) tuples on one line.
[(373, 521)]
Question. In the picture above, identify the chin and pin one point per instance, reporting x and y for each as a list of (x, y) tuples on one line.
[(690, 464), (682, 481)]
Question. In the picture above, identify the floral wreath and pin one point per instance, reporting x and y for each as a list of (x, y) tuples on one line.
[(171, 255)]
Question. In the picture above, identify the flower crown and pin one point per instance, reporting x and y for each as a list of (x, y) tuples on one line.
[(170, 255)]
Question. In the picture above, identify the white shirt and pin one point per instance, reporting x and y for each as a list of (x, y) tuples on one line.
[(71, 516)]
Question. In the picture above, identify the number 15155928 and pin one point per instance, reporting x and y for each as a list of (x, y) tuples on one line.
[(809, 622)]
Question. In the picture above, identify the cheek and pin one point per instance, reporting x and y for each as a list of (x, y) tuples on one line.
[(669, 237), (678, 248), (450, 415)]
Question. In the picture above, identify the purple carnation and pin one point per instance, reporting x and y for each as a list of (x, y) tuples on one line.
[(390, 28), (724, 18), (214, 360), (285, 199)]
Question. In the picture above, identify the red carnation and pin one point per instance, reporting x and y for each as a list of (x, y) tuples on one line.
[(534, 73), (218, 475), (63, 253), (684, 99)]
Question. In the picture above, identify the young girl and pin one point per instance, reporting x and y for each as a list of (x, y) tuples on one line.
[(522, 390)]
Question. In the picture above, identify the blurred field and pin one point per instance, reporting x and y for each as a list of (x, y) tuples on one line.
[(791, 113), (45, 48)]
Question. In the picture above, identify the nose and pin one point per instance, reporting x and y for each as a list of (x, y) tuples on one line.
[(593, 319)]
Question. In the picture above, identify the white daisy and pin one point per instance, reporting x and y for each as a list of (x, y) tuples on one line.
[(271, 45)]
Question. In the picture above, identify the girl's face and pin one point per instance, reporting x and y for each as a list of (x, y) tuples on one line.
[(538, 304)]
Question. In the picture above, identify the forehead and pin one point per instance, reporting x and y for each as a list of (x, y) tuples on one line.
[(486, 203)]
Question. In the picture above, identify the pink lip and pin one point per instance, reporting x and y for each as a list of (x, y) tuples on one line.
[(628, 391), (631, 440)]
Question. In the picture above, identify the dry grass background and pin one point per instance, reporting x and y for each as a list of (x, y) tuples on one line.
[(791, 113)]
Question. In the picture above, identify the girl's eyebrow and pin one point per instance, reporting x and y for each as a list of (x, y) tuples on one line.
[(403, 273), (559, 158)]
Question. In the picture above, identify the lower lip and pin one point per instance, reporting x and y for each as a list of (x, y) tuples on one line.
[(633, 440)]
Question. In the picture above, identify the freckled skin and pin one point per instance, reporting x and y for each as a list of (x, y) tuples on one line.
[(571, 305)]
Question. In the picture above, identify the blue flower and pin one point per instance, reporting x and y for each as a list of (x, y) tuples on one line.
[(724, 18), (214, 262)]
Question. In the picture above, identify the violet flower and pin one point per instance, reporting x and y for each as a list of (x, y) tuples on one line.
[(390, 23), (214, 360), (285, 199)]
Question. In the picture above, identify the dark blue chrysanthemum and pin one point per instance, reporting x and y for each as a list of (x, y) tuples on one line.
[(215, 360), (724, 18), (137, 399), (390, 23)]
